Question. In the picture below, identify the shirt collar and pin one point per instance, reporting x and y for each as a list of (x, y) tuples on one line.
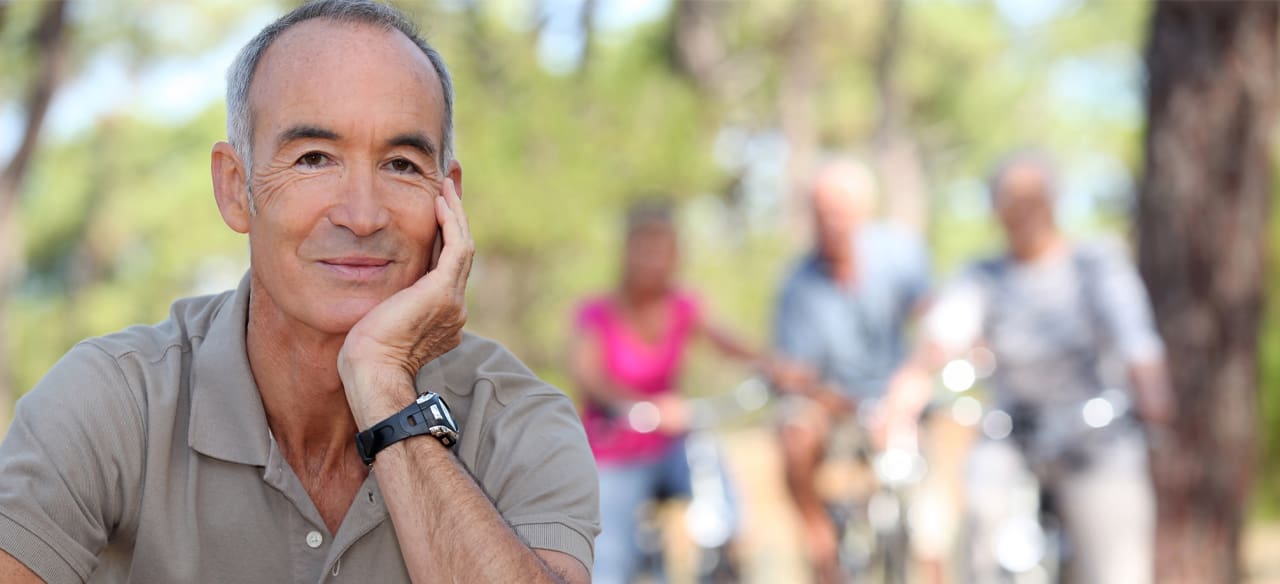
[(228, 421), (227, 418)]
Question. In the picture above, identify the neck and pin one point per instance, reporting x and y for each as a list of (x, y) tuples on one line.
[(841, 261), (842, 268), (296, 370), (637, 298), (1043, 247)]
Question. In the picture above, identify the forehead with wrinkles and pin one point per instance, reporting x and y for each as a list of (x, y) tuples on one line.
[(343, 69)]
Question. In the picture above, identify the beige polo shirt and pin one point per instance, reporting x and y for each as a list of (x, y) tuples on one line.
[(144, 456)]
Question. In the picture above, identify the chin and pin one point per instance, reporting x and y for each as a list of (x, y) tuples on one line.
[(339, 315)]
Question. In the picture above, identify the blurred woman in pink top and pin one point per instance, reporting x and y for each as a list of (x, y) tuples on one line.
[(629, 348)]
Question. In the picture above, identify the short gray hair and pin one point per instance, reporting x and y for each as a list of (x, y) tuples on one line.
[(366, 12), (1035, 158)]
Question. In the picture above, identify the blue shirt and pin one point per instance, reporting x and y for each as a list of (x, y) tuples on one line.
[(855, 337)]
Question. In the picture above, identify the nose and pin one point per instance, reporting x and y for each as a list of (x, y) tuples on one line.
[(360, 209)]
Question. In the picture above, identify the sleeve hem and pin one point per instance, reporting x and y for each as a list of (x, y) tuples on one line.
[(36, 554), (557, 537)]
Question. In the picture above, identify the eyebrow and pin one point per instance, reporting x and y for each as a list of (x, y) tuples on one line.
[(413, 140), (416, 141), (305, 132)]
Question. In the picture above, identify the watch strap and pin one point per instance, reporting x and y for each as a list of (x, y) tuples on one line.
[(428, 414)]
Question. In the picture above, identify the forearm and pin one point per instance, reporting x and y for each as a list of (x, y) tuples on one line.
[(1152, 391), (910, 388), (443, 519), (734, 349), (730, 345), (441, 516), (15, 572)]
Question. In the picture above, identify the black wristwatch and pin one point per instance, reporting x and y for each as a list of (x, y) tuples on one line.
[(426, 415)]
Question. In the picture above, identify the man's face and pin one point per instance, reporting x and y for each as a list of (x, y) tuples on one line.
[(837, 213), (1024, 207), (347, 128)]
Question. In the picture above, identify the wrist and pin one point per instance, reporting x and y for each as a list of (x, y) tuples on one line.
[(422, 448), (428, 414), (374, 396)]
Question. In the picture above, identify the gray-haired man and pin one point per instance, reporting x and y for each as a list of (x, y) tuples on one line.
[(1062, 319), (218, 445)]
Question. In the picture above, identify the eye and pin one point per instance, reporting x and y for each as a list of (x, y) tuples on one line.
[(403, 165), (313, 159)]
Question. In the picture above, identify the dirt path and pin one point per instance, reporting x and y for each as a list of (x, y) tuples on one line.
[(771, 548)]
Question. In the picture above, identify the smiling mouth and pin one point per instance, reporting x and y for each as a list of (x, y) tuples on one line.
[(357, 268)]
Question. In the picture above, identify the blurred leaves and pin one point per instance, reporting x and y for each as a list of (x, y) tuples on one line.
[(119, 216)]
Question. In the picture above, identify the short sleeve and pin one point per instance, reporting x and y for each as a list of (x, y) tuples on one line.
[(70, 466), (589, 316), (1124, 306), (954, 321), (541, 475), (916, 270), (792, 327)]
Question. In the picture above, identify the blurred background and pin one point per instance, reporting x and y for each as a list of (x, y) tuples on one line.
[(567, 110)]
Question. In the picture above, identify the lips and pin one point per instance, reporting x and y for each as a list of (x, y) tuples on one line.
[(358, 268)]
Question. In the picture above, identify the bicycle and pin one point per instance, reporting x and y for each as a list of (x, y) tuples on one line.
[(710, 517), (1030, 545), (872, 530)]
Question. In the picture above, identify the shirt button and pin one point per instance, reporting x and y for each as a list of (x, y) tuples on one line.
[(314, 539)]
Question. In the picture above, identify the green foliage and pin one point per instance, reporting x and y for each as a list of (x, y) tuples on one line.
[(118, 218), (1267, 492), (116, 241)]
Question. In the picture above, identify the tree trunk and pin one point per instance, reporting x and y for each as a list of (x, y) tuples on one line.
[(897, 157), (1202, 218), (797, 110), (49, 48), (697, 48), (587, 24)]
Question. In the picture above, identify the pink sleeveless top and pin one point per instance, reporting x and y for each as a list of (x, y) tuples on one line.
[(631, 362)]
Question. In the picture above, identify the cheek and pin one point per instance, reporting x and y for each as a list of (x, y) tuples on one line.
[(288, 209), (275, 181), (415, 219), (292, 195)]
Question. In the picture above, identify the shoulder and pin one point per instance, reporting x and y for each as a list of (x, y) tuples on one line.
[(131, 360), (189, 318), (1104, 250), (801, 274), (508, 416), (687, 303), (482, 361), (590, 310), (981, 272)]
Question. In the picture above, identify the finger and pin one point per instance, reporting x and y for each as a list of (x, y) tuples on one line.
[(464, 239), (455, 204), (453, 252)]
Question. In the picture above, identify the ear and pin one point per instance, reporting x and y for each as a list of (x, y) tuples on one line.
[(455, 175), (229, 187)]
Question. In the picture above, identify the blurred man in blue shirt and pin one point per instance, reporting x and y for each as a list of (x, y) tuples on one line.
[(842, 312)]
